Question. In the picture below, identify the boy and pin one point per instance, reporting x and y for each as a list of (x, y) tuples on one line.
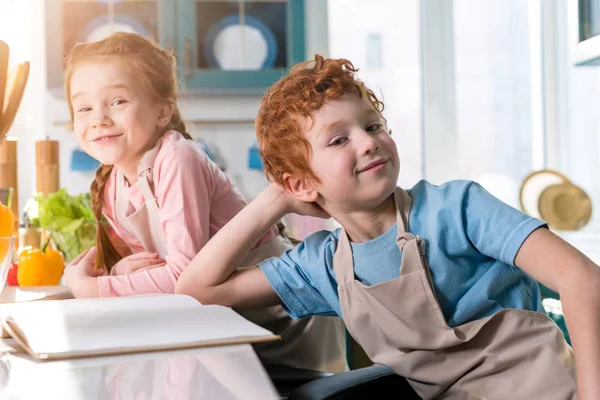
[(436, 282)]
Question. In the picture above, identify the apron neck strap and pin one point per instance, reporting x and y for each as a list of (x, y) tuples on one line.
[(144, 171), (343, 264), (147, 161), (411, 246), (342, 260), (144, 182), (145, 222), (403, 204)]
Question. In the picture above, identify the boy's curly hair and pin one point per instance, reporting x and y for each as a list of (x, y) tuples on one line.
[(290, 101)]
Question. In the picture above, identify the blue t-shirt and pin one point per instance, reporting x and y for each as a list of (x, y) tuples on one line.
[(471, 240)]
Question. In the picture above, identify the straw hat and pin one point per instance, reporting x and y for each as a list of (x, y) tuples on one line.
[(552, 197)]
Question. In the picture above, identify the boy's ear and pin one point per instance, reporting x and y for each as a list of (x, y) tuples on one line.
[(165, 114), (302, 189)]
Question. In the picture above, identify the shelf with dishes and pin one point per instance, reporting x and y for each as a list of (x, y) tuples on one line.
[(222, 46)]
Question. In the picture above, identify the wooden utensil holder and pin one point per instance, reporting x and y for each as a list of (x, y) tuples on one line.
[(47, 166)]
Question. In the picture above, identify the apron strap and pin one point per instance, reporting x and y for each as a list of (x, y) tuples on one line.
[(343, 264), (413, 254), (122, 203), (144, 170), (158, 235), (411, 246), (144, 182), (144, 223), (403, 204)]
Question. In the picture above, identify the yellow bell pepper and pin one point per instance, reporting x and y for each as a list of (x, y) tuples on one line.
[(40, 268), (7, 227)]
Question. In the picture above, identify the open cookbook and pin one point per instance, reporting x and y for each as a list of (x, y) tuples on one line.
[(50, 330)]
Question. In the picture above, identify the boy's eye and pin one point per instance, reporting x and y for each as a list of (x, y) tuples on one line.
[(119, 102), (83, 109), (338, 141), (374, 127)]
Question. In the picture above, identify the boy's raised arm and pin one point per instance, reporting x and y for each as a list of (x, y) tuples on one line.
[(212, 275), (564, 269)]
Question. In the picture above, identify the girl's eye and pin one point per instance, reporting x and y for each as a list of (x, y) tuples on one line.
[(338, 141), (83, 109), (119, 102), (374, 127)]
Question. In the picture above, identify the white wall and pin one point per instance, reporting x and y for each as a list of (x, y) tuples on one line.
[(43, 115)]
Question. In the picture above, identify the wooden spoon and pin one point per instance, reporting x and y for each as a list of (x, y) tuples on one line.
[(16, 95)]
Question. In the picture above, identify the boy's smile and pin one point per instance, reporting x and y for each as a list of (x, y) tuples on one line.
[(353, 155), (374, 166)]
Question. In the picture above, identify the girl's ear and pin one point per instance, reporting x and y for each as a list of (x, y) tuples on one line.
[(302, 189), (164, 114)]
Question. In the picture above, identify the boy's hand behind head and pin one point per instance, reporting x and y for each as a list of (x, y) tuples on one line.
[(295, 205)]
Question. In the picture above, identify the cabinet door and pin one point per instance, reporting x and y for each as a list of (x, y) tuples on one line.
[(238, 46), (74, 21)]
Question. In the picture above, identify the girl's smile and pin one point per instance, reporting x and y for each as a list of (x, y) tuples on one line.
[(106, 139)]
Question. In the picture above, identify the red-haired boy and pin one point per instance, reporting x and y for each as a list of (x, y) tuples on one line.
[(437, 282)]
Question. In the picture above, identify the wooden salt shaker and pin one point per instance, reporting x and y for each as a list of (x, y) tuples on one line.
[(47, 166)]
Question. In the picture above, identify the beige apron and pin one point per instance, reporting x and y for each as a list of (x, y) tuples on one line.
[(316, 343), (143, 223), (513, 354)]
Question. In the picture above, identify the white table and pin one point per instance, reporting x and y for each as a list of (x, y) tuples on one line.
[(221, 373), (225, 372), (12, 294)]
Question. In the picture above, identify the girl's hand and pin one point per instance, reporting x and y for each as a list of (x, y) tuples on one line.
[(80, 275), (137, 262)]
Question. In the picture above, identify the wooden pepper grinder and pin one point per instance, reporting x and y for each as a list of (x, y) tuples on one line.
[(8, 175), (47, 166)]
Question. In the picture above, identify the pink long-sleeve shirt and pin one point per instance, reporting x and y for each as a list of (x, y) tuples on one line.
[(195, 199)]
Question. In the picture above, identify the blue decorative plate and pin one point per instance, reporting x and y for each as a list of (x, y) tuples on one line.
[(224, 49)]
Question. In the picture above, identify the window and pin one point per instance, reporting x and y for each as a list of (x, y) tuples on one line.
[(373, 47), (477, 90), (498, 95)]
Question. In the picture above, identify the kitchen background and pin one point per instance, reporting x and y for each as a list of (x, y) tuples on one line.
[(474, 89)]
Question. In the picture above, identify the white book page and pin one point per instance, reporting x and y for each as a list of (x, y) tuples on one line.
[(108, 304), (79, 306), (84, 325)]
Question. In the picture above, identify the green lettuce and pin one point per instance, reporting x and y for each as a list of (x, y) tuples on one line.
[(69, 220)]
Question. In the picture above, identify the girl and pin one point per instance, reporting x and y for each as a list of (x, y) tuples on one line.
[(162, 197)]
